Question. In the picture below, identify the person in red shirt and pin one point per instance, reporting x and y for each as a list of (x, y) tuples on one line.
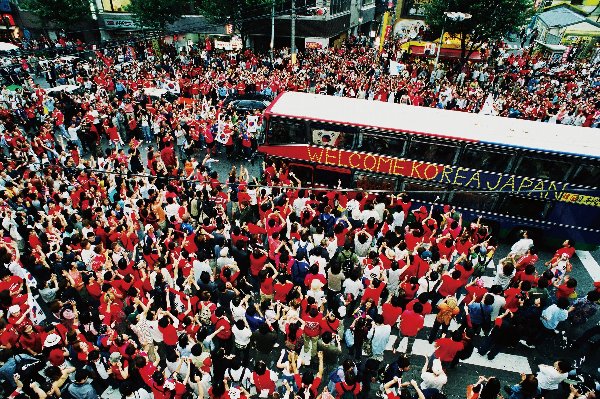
[(330, 323), (423, 299), (451, 282), (223, 326), (282, 288), (168, 330), (312, 329), (447, 348), (565, 289), (391, 310), (308, 380), (373, 291), (350, 384), (412, 321), (475, 291)]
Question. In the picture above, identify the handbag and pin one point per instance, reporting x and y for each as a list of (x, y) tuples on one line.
[(349, 338), (367, 348)]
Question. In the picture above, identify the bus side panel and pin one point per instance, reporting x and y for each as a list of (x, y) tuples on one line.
[(571, 213)]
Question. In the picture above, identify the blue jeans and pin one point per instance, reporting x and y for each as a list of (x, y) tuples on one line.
[(148, 136)]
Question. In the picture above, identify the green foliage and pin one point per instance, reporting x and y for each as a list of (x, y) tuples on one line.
[(490, 19), (235, 11), (62, 13), (155, 14)]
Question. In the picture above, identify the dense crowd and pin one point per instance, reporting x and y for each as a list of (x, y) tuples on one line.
[(129, 263)]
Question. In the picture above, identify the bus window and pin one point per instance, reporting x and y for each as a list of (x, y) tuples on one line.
[(472, 200), (381, 143), (304, 173), (331, 138), (521, 206), (483, 159), (330, 176), (587, 175), (545, 169), (425, 192), (366, 181), (431, 152), (285, 131)]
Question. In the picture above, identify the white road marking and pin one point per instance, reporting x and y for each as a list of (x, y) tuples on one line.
[(590, 264), (430, 318), (503, 361)]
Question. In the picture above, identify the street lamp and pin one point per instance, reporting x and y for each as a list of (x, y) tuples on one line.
[(453, 16)]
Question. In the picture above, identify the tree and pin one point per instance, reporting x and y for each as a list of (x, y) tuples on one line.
[(490, 20), (236, 12), (155, 14), (63, 14)]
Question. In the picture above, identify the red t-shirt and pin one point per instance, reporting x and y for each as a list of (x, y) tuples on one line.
[(411, 323), (312, 327), (169, 335), (449, 285), (390, 313), (447, 349)]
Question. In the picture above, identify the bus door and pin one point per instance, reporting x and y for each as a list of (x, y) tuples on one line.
[(303, 172), (331, 176)]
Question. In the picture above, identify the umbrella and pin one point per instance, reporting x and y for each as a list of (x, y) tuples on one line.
[(8, 46), (14, 87)]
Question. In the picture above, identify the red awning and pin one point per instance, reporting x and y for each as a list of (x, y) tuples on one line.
[(444, 53)]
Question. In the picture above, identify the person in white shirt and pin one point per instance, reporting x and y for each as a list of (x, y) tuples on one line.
[(549, 377), (434, 378), (237, 375), (521, 247), (353, 285), (241, 338)]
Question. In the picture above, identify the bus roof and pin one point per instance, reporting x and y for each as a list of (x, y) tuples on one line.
[(463, 126)]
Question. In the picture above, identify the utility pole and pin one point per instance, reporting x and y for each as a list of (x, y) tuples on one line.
[(272, 30), (293, 32)]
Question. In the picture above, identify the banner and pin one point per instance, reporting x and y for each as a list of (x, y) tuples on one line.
[(253, 123), (443, 174), (396, 68), (488, 107), (37, 316), (222, 137)]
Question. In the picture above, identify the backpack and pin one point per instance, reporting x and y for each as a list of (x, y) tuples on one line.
[(26, 367), (348, 394), (299, 272), (205, 315), (302, 253), (334, 378)]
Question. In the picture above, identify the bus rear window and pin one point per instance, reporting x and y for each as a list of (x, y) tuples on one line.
[(431, 152), (284, 131), (524, 207), (545, 169), (483, 159), (587, 175)]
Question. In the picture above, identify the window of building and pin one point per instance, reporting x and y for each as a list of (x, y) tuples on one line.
[(483, 159), (285, 131), (432, 152), (338, 6)]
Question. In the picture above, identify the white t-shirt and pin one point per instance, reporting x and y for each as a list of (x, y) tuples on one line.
[(242, 337), (352, 287), (548, 377)]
